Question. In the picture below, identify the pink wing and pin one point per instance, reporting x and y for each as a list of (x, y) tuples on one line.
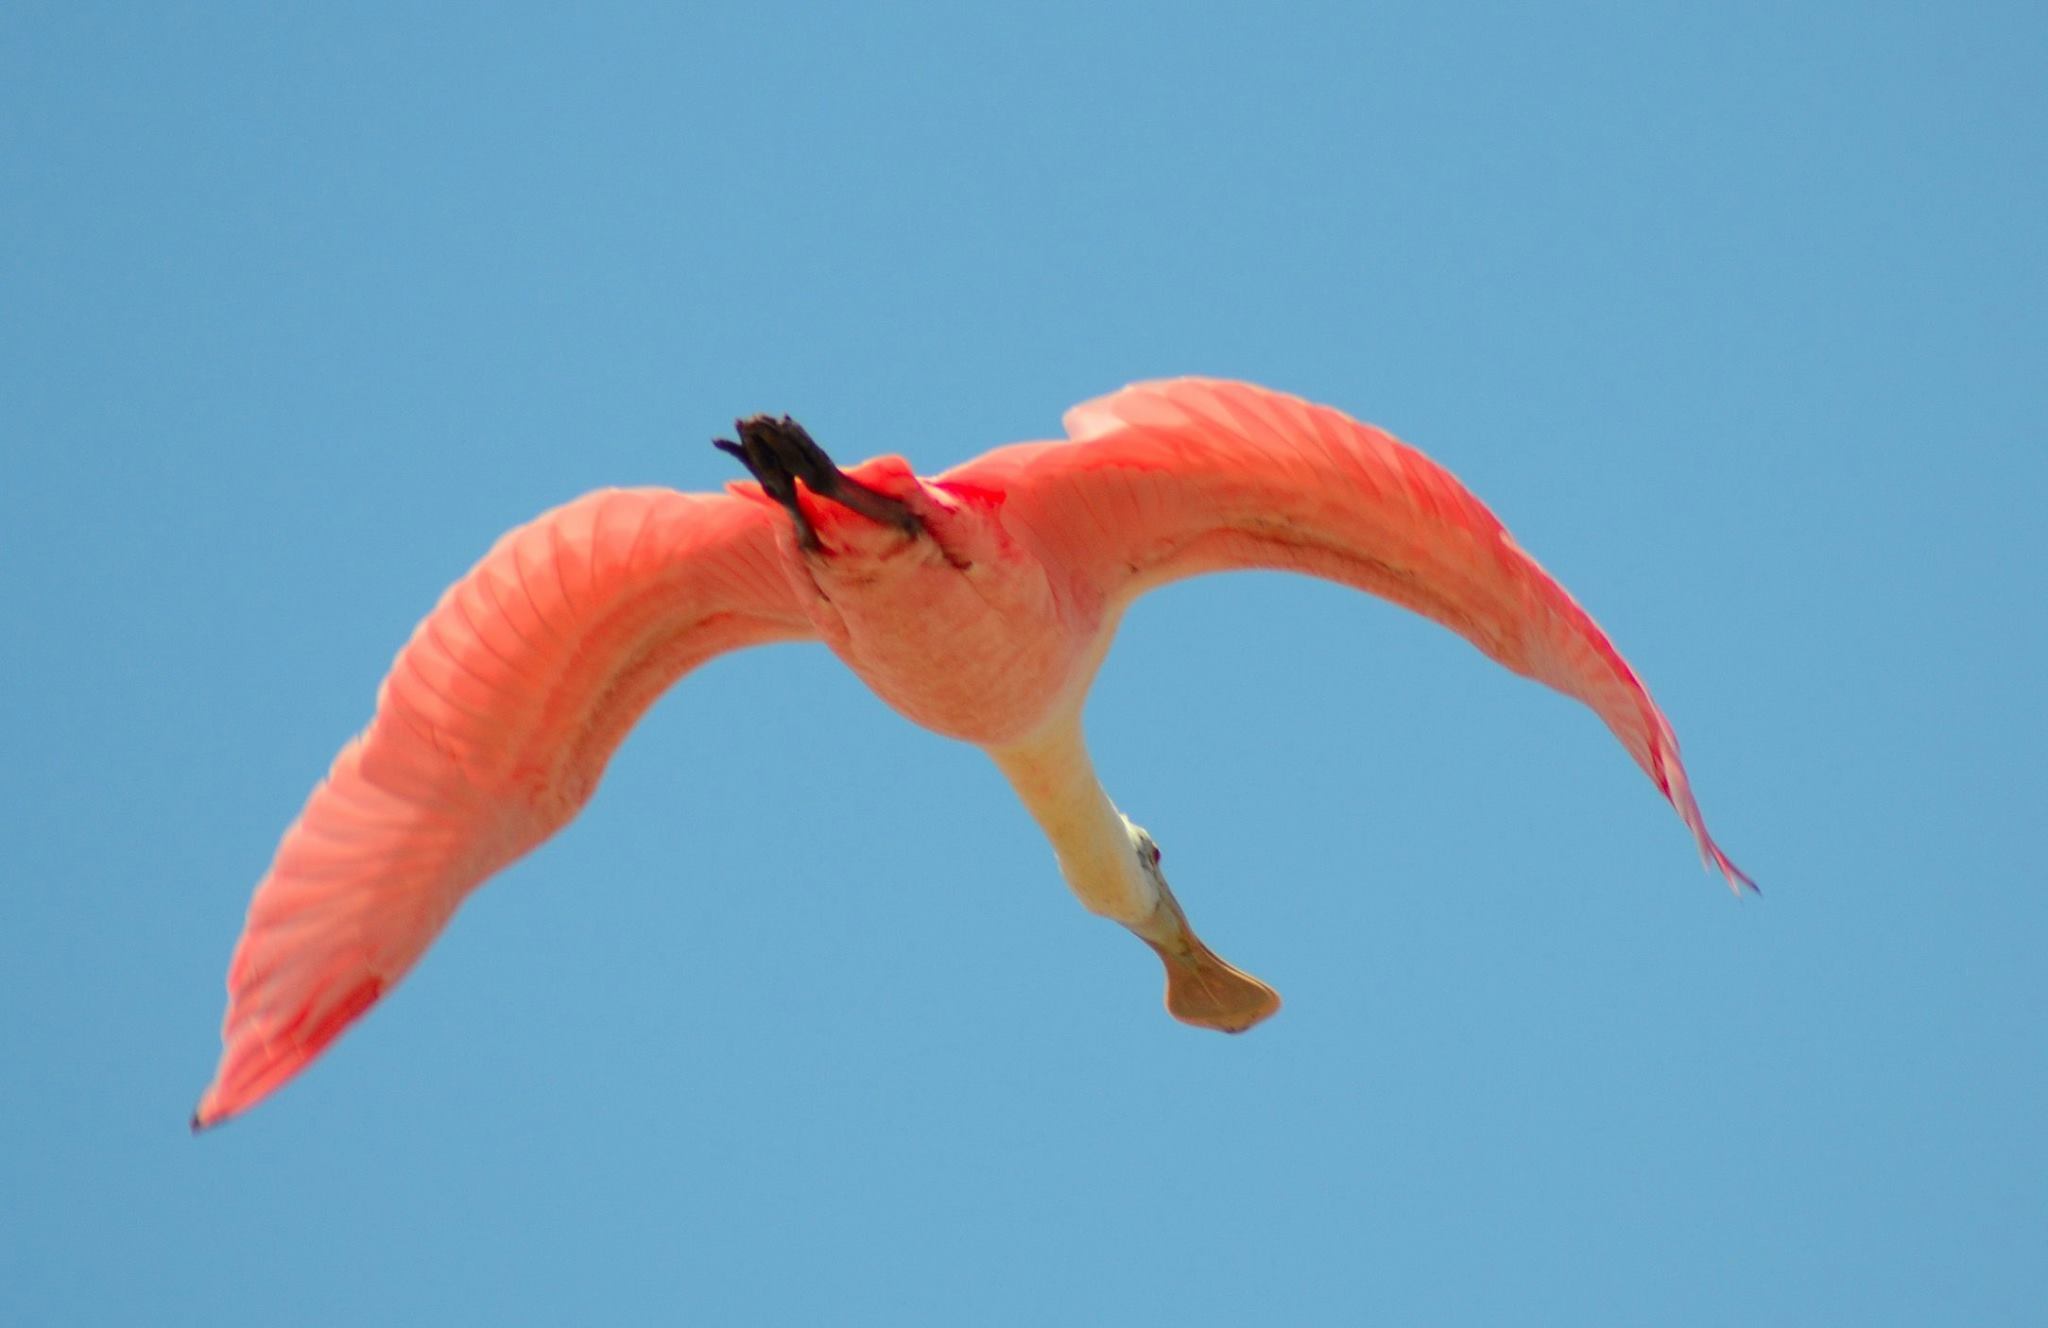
[(1169, 479), (491, 732)]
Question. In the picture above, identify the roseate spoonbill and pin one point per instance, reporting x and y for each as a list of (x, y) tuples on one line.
[(978, 604)]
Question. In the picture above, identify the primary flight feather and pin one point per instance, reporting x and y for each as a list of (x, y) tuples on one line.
[(978, 604)]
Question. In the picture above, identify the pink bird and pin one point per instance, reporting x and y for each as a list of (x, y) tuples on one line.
[(978, 604)]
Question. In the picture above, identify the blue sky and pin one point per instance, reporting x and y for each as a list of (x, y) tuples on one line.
[(1734, 313)]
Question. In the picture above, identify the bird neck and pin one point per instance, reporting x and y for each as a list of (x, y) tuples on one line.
[(1056, 782)]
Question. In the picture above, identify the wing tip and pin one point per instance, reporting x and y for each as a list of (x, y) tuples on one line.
[(1739, 881), (209, 1113), (224, 1099), (254, 1064)]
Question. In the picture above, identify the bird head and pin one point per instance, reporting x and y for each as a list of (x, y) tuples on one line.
[(1146, 850)]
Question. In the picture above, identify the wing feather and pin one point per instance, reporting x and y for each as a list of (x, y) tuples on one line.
[(1170, 479), (491, 731)]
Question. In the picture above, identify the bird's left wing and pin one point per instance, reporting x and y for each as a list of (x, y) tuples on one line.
[(491, 732), (1169, 479)]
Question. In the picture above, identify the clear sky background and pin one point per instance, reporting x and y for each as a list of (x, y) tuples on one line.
[(1734, 313)]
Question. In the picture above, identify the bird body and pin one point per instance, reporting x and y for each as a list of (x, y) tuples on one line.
[(958, 631), (978, 603)]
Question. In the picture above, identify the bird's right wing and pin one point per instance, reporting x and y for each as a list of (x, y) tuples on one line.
[(491, 731), (1170, 479)]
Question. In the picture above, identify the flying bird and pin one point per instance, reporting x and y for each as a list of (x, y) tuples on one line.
[(979, 604)]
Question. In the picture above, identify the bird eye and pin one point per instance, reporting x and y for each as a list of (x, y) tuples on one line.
[(1156, 854)]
